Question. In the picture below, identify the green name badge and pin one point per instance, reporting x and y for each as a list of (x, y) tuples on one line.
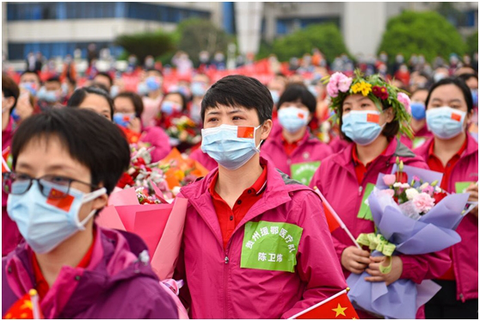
[(303, 172), (270, 246), (418, 141), (461, 186), (364, 212)]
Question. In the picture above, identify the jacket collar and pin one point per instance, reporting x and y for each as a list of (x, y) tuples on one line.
[(472, 147)]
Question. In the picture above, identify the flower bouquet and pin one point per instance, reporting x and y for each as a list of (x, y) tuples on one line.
[(181, 171), (183, 130), (411, 218)]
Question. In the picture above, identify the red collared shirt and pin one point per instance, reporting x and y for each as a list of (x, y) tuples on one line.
[(361, 169), (42, 284), (435, 164), (229, 218), (289, 147)]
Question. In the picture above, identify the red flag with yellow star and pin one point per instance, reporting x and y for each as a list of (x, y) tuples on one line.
[(337, 306), (27, 307)]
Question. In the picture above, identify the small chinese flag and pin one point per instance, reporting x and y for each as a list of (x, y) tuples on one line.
[(131, 136), (456, 117), (301, 116), (5, 167), (27, 307), (337, 306), (245, 132), (373, 118), (333, 220), (62, 203)]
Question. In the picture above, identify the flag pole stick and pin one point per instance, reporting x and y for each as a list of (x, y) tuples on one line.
[(339, 220), (35, 303)]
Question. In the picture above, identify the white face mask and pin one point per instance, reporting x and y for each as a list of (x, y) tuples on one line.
[(445, 122)]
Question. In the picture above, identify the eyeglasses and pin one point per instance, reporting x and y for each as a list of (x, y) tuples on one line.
[(51, 186)]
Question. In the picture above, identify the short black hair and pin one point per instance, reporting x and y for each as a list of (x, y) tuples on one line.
[(33, 73), (105, 74), (296, 91), (10, 89), (79, 95), (135, 99), (88, 137), (466, 77), (53, 79), (460, 83), (155, 70), (390, 130), (239, 91)]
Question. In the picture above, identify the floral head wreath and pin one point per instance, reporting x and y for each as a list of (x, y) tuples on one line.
[(376, 89)]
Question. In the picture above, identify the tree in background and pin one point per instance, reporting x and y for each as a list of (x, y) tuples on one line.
[(472, 43), (326, 37), (194, 35), (146, 43), (426, 33)]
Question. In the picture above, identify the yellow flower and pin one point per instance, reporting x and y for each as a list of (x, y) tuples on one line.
[(363, 87)]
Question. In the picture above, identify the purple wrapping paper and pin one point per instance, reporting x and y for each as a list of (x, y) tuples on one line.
[(433, 232)]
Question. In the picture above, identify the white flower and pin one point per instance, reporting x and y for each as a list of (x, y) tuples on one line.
[(405, 185), (176, 190), (411, 193), (438, 189), (398, 184)]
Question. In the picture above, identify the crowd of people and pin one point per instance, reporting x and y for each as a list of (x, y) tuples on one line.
[(256, 243)]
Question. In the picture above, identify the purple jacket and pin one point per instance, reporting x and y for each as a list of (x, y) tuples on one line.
[(218, 287), (337, 180), (11, 237), (309, 149), (158, 139), (465, 253), (115, 285)]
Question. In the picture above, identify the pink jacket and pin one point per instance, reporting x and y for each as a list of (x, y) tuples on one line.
[(158, 139), (465, 253), (337, 144), (337, 180), (309, 149), (422, 135), (11, 237), (218, 288)]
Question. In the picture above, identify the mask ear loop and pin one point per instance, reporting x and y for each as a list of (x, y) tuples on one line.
[(87, 198)]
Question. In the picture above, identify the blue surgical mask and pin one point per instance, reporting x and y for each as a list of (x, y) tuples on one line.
[(275, 96), (30, 86), (231, 146), (122, 119), (152, 83), (445, 122), (50, 96), (292, 118), (15, 115), (198, 89), (418, 110), (142, 89), (45, 226), (168, 107), (362, 126), (114, 90)]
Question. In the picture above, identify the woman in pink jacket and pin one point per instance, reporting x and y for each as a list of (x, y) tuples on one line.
[(369, 120), (454, 152), (291, 142), (128, 111), (256, 244)]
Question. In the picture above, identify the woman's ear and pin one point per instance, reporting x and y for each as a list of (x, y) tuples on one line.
[(389, 115), (266, 129), (101, 201)]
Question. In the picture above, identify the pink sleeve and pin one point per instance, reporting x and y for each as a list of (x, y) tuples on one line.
[(158, 139), (317, 263), (427, 266)]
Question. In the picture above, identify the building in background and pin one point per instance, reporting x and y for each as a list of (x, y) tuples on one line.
[(58, 28)]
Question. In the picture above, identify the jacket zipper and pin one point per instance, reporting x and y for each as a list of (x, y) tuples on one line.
[(225, 282)]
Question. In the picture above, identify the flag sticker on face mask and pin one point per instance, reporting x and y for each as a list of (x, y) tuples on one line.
[(373, 118), (301, 116), (245, 132), (456, 117), (62, 203)]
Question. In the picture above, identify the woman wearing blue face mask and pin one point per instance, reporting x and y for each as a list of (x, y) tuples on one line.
[(291, 143), (152, 95), (371, 113), (65, 164), (418, 121), (454, 152)]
